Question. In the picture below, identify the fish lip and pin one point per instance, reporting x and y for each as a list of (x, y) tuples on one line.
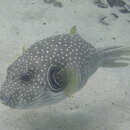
[(10, 103), (9, 100)]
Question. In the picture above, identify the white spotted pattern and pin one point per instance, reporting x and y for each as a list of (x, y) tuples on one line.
[(66, 50)]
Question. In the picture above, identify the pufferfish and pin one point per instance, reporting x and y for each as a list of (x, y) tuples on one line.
[(55, 68)]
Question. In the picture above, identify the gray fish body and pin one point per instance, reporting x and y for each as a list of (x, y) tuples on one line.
[(32, 79)]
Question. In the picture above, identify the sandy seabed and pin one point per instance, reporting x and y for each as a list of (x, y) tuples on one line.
[(104, 104)]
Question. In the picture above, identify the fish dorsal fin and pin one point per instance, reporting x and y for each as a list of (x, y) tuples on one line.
[(15, 57)]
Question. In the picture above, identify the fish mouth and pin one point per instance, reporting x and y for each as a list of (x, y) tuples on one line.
[(8, 101), (12, 102), (39, 101)]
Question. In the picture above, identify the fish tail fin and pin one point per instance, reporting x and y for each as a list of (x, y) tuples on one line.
[(115, 56)]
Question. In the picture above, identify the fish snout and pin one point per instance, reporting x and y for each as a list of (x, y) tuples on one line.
[(7, 100)]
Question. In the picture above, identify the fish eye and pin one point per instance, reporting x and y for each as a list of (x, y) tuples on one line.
[(26, 77), (56, 81)]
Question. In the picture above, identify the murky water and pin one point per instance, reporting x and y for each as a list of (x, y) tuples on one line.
[(103, 104)]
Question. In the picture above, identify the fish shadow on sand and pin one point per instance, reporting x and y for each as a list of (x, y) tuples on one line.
[(100, 117)]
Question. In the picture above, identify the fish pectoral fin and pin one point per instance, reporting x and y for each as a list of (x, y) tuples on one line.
[(15, 57), (63, 78), (71, 79)]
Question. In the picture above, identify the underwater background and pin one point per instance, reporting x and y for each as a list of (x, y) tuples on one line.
[(104, 104)]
